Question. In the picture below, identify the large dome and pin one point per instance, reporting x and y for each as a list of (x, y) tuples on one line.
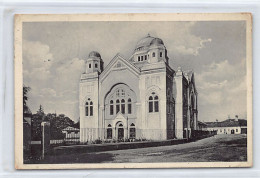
[(148, 41), (94, 54)]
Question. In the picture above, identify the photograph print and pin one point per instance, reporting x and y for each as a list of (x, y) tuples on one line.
[(133, 91)]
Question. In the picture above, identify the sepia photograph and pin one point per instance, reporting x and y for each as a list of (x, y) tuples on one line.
[(133, 91)]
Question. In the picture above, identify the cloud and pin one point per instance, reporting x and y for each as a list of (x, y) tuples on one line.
[(47, 92), (36, 54), (222, 90), (194, 50)]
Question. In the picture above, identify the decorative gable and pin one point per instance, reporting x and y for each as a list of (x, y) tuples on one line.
[(119, 63)]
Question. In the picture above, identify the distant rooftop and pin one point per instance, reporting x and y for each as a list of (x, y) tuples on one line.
[(228, 123)]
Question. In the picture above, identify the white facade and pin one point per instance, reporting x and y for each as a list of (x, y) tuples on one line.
[(225, 130), (140, 97)]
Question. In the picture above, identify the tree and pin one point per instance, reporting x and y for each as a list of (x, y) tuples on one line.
[(36, 123), (25, 99), (57, 124), (77, 125), (40, 111)]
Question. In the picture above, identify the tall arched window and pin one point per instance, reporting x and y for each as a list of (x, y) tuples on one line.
[(129, 106), (123, 106), (109, 132), (86, 109), (150, 104), (153, 103), (89, 66), (153, 54), (156, 104), (111, 107), (91, 108), (117, 106), (120, 101), (132, 131)]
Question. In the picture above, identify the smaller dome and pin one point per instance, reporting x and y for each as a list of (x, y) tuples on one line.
[(94, 54), (157, 41)]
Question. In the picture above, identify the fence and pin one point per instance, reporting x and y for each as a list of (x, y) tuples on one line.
[(124, 134), (69, 141)]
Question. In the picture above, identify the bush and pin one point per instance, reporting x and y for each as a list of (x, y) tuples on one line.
[(97, 141)]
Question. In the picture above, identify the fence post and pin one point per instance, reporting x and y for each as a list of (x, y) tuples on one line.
[(45, 138)]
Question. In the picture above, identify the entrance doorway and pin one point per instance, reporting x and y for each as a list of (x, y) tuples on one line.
[(120, 131), (232, 131)]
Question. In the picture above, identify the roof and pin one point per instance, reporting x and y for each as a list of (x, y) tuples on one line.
[(227, 123), (201, 123), (147, 41), (94, 54), (69, 128)]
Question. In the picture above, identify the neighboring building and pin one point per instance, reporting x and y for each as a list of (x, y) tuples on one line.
[(229, 126), (139, 97), (201, 126), (71, 133)]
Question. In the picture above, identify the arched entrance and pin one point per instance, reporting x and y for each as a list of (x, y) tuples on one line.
[(120, 131)]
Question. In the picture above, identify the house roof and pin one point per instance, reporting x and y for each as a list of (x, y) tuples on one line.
[(69, 128), (202, 123), (227, 123)]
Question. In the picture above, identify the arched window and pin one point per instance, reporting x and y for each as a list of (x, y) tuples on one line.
[(109, 132), (123, 106), (117, 106), (150, 104), (86, 109), (96, 65), (160, 54), (129, 106), (91, 108), (153, 103), (156, 104), (153, 54), (111, 107), (132, 131), (89, 66)]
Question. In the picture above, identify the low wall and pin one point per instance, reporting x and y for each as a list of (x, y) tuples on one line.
[(113, 146)]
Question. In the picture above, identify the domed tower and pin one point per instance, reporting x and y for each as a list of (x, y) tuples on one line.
[(94, 63), (150, 50)]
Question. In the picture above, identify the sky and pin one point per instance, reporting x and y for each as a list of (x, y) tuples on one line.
[(54, 55)]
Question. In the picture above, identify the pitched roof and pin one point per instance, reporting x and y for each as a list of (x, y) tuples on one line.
[(227, 123), (117, 58), (202, 123)]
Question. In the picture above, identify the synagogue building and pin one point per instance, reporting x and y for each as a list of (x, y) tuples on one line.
[(140, 97)]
